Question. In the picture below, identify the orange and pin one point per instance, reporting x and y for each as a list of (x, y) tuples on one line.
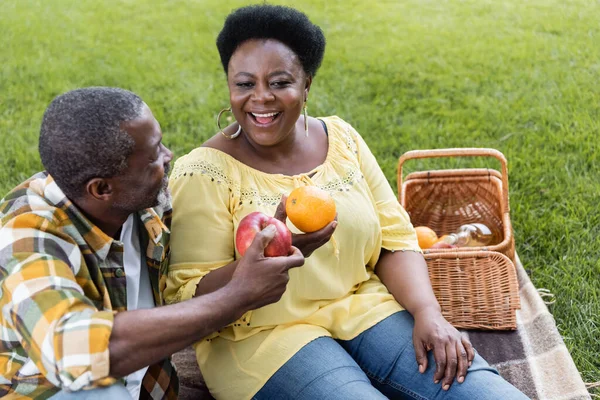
[(426, 237), (310, 208)]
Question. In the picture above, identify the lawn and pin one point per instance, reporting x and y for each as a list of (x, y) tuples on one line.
[(519, 76)]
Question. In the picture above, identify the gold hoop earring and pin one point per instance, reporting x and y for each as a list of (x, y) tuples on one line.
[(230, 137), (305, 120)]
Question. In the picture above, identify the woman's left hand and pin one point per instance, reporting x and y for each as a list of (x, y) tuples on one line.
[(307, 242), (452, 352)]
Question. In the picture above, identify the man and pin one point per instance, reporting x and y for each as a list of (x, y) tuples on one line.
[(83, 261)]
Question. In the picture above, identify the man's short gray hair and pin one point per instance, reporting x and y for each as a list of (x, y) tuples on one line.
[(81, 136)]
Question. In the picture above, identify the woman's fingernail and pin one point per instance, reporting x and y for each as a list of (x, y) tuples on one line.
[(461, 379), (446, 387), (334, 224), (421, 368), (470, 362), (436, 381)]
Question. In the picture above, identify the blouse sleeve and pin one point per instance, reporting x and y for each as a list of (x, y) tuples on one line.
[(202, 227), (396, 229)]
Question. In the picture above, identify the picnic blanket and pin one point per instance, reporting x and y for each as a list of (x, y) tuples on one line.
[(534, 358)]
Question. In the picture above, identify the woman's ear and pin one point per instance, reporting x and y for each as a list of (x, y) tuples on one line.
[(307, 87)]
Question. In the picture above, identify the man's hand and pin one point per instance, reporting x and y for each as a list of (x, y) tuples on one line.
[(261, 279), (143, 337), (452, 352), (307, 242)]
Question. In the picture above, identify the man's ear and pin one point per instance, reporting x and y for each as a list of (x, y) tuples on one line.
[(100, 189)]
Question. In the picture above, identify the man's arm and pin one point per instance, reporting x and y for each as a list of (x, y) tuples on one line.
[(74, 345), (143, 337), (44, 308)]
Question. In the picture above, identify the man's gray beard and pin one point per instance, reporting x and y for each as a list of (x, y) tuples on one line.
[(163, 200)]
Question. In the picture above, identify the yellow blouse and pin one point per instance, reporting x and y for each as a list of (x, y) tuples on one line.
[(336, 293)]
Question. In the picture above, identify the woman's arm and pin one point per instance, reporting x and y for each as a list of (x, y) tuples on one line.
[(405, 276), (216, 279)]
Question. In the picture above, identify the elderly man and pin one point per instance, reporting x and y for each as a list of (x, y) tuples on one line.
[(83, 261)]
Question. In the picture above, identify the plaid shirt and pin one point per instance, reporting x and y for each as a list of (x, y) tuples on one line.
[(61, 281)]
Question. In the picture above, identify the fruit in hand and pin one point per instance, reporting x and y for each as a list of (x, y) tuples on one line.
[(310, 208), (426, 237), (251, 224)]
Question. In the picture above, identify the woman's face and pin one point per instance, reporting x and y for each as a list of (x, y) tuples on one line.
[(267, 89)]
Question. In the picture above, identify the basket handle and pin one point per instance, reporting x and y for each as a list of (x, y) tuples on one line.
[(459, 152)]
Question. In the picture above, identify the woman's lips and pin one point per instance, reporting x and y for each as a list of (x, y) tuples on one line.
[(264, 118)]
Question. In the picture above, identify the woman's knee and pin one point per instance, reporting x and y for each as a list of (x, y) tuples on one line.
[(483, 382), (321, 369)]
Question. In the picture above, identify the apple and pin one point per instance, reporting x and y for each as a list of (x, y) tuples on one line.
[(251, 224)]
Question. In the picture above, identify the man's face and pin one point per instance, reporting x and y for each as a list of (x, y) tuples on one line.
[(145, 182)]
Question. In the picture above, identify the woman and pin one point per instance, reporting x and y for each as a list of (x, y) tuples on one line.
[(340, 331)]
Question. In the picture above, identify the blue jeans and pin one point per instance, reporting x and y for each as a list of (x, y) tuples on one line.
[(113, 392), (380, 363)]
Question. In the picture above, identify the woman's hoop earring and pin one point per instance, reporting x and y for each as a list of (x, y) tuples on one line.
[(230, 137), (305, 120)]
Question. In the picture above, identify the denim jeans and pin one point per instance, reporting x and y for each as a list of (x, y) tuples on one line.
[(380, 363), (113, 392)]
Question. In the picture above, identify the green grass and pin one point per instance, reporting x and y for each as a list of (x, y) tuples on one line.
[(518, 76)]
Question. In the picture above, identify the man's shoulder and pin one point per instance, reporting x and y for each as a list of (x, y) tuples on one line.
[(30, 197), (31, 222)]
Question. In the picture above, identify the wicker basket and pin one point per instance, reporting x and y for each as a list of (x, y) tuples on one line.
[(476, 286), (446, 199), (476, 290)]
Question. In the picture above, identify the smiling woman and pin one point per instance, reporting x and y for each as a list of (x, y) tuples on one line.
[(268, 89), (362, 301)]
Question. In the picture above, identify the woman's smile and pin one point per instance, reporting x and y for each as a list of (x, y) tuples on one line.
[(264, 119)]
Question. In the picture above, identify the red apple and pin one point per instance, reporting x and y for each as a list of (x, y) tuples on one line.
[(255, 222)]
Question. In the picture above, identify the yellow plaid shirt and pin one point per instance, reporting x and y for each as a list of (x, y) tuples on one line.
[(61, 281)]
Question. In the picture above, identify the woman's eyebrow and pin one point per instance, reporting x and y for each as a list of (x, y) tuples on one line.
[(248, 74)]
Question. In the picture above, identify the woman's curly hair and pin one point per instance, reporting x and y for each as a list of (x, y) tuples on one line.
[(284, 24)]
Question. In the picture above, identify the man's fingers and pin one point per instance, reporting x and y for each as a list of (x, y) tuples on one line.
[(261, 240), (295, 259), (280, 213)]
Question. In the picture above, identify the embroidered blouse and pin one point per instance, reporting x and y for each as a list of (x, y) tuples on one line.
[(336, 293)]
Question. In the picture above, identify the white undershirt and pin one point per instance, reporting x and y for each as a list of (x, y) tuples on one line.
[(139, 290)]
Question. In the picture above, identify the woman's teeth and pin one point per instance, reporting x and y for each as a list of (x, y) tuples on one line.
[(265, 118)]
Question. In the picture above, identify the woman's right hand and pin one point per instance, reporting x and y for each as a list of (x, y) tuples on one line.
[(307, 242)]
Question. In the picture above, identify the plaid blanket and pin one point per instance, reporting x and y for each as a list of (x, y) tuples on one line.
[(534, 358)]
